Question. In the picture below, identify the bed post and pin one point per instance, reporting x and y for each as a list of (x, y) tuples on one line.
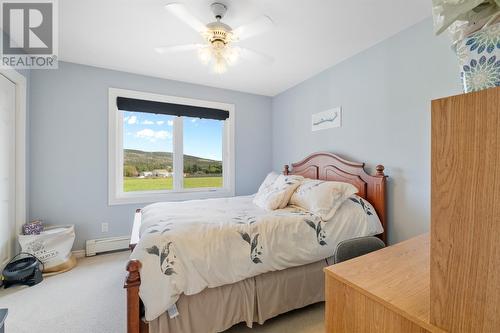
[(132, 283), (380, 203)]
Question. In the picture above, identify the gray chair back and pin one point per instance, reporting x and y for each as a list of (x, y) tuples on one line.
[(356, 247)]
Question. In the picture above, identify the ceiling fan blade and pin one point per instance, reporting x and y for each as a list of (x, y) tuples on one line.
[(254, 55), (254, 28), (182, 13), (177, 48)]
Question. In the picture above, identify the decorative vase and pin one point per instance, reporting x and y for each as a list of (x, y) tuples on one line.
[(479, 58)]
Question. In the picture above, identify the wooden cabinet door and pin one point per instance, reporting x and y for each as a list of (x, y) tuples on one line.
[(465, 210)]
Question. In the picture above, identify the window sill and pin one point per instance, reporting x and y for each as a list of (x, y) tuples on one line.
[(148, 197)]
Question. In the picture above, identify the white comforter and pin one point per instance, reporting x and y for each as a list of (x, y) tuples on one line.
[(186, 247)]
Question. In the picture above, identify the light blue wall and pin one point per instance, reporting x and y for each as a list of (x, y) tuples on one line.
[(385, 93), (69, 144)]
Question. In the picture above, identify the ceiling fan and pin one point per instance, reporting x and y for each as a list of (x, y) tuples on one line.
[(219, 47)]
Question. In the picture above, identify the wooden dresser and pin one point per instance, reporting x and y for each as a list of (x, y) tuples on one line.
[(384, 291)]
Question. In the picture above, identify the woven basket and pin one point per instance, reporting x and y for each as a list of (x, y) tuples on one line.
[(52, 246)]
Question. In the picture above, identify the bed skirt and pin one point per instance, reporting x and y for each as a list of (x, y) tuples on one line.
[(253, 300)]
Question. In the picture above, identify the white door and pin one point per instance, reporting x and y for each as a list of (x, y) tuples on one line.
[(7, 169)]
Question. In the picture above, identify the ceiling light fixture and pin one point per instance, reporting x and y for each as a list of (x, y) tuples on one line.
[(219, 36)]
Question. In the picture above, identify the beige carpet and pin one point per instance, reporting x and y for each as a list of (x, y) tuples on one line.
[(90, 298)]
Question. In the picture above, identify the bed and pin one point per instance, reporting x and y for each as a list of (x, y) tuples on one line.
[(257, 298)]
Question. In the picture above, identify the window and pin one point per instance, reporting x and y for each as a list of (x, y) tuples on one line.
[(202, 158), (168, 148)]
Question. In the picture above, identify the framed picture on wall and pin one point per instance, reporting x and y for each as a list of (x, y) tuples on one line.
[(327, 119)]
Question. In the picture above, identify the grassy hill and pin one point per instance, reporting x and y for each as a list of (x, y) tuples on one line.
[(137, 161)]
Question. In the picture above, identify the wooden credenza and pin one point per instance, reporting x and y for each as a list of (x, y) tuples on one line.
[(386, 291)]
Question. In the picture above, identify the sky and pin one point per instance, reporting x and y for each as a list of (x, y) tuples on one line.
[(153, 132)]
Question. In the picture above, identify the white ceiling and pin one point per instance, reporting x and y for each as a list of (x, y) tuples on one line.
[(308, 37)]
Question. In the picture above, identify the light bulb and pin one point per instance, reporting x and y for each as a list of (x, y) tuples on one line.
[(232, 55), (205, 55), (220, 65)]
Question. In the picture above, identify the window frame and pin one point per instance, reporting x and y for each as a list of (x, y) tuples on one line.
[(116, 194)]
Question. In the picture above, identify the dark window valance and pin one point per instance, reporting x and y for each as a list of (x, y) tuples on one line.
[(140, 105)]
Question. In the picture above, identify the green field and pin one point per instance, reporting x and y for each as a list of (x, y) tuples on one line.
[(131, 184)]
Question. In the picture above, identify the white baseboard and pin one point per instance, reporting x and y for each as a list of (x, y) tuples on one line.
[(95, 246), (79, 254)]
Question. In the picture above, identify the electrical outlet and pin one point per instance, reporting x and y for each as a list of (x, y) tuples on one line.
[(104, 227)]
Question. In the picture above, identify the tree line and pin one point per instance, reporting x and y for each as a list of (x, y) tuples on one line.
[(134, 170)]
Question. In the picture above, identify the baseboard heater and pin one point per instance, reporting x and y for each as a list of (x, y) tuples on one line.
[(100, 245)]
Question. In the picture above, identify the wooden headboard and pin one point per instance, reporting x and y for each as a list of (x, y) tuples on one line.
[(328, 166)]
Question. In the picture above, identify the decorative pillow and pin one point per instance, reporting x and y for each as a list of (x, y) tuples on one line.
[(322, 198), (278, 194), (357, 217), (268, 181)]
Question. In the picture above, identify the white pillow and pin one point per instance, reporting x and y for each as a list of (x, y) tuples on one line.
[(322, 198), (278, 194), (357, 218), (265, 189), (268, 181)]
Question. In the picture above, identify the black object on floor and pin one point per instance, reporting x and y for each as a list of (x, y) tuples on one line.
[(3, 316), (25, 270)]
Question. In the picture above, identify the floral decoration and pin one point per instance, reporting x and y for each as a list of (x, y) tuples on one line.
[(479, 58)]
